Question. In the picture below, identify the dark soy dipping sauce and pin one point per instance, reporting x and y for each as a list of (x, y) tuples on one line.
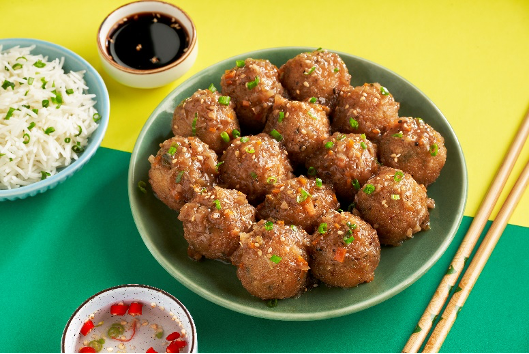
[(147, 41)]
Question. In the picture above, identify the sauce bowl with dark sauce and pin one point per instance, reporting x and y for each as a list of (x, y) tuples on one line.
[(147, 44)]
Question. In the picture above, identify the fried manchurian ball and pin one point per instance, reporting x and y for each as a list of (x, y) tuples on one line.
[(414, 147), (253, 164), (364, 109), (299, 201), (395, 205), (181, 167), (272, 261), (300, 126), (252, 85), (318, 74), (208, 117), (344, 251), (213, 220), (346, 161)]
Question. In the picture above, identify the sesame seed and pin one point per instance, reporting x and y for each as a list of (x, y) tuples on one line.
[(306, 84)]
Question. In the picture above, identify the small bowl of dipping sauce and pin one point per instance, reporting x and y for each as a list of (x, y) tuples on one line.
[(147, 44), (130, 318)]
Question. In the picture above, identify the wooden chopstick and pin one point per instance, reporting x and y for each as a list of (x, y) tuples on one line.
[(476, 266), (469, 242)]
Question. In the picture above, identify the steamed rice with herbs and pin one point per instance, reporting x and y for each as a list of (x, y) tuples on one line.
[(46, 117)]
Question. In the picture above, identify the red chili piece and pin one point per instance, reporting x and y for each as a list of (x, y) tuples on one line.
[(175, 346), (118, 310), (173, 336), (87, 327), (151, 350), (135, 309), (87, 350)]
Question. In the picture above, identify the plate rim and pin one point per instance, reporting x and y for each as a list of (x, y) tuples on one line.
[(284, 316)]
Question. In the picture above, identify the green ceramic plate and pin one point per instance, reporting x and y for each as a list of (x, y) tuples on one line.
[(399, 267)]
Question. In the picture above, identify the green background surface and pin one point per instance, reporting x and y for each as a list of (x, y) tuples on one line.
[(56, 252)]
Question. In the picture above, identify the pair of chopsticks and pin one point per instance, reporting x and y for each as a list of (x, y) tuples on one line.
[(481, 257)]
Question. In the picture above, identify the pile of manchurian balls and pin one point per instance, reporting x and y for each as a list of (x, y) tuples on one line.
[(268, 200)]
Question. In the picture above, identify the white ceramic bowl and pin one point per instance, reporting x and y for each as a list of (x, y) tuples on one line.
[(160, 310), (96, 86), (152, 77)]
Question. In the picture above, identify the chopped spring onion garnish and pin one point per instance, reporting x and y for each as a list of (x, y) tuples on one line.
[(319, 49), (355, 183), (218, 165), (58, 97), (363, 145), (77, 148), (329, 145), (349, 238), (249, 149), (67, 140), (194, 124), (312, 115), (178, 178), (395, 196), (271, 180), (271, 303), (225, 137), (96, 116), (398, 176), (269, 225), (336, 70), (420, 120), (397, 135), (251, 84), (225, 100), (7, 84), (35, 110), (17, 66), (244, 139), (281, 117), (44, 175), (9, 113), (39, 64), (276, 259), (217, 204), (369, 188), (294, 227), (31, 125), (363, 136), (341, 137), (172, 150), (27, 138), (49, 130), (351, 206), (276, 135), (311, 171), (44, 82), (313, 100), (350, 225), (322, 228), (30, 80), (319, 182), (69, 91), (141, 186), (25, 59), (434, 148), (384, 91), (253, 175), (353, 123), (303, 196), (240, 63), (235, 133), (80, 130), (212, 88), (311, 70)]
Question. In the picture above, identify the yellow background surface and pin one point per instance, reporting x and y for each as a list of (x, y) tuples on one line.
[(470, 57)]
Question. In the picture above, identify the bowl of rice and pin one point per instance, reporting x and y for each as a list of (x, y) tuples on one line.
[(54, 112)]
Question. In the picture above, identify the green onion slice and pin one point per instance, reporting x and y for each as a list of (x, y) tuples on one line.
[(353, 123), (276, 259), (225, 137), (313, 100), (49, 130), (31, 125), (355, 184), (27, 138), (322, 228), (225, 100), (9, 113), (349, 238), (80, 131), (253, 175), (173, 149), (235, 133), (178, 178), (363, 145), (249, 149), (212, 88), (276, 135), (319, 182), (336, 70), (96, 117), (312, 171), (69, 91), (397, 177), (67, 140), (269, 225), (244, 139), (369, 188), (311, 70), (7, 84), (312, 115), (17, 66), (217, 204), (395, 196), (194, 124), (141, 186), (240, 63), (434, 149), (252, 84), (397, 135), (281, 117), (329, 145), (384, 91), (44, 175), (271, 180), (218, 165), (39, 64), (303, 196)]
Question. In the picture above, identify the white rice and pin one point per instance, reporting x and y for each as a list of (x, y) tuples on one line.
[(23, 117)]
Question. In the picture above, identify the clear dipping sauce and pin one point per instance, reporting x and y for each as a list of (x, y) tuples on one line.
[(147, 40)]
